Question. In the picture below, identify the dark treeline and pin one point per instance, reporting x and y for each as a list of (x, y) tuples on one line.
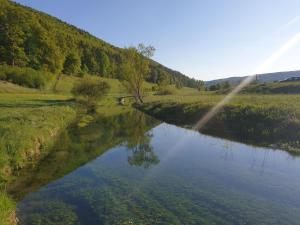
[(29, 38)]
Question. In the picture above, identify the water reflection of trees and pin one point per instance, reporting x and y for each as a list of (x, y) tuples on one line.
[(82, 143), (142, 153), (139, 144)]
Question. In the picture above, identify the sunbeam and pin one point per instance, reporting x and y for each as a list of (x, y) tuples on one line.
[(261, 69)]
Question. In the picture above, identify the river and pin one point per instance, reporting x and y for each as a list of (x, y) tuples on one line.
[(132, 169)]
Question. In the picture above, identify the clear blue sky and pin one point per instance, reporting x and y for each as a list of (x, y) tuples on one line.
[(205, 39)]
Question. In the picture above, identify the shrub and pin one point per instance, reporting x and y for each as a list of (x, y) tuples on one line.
[(91, 91), (25, 76)]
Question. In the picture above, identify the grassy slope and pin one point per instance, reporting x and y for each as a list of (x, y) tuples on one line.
[(262, 119), (6, 87)]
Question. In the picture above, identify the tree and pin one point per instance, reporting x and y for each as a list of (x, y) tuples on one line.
[(163, 78), (200, 85), (135, 68), (91, 91), (72, 64), (139, 142), (104, 64), (214, 87), (179, 84), (12, 38), (225, 85)]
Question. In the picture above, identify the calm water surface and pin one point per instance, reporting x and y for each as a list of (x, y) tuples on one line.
[(151, 173)]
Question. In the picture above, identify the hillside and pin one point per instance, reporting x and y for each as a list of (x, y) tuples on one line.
[(273, 88), (29, 38), (266, 77)]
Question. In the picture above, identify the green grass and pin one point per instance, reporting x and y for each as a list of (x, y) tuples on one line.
[(7, 210), (283, 101), (6, 87), (274, 88), (28, 123), (66, 83), (267, 120), (30, 120)]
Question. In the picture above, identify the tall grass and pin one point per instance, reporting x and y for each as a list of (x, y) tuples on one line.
[(28, 123), (7, 210)]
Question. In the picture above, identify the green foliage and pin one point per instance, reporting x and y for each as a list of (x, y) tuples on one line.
[(225, 85), (273, 88), (200, 85), (25, 76), (134, 70), (33, 39), (219, 86), (12, 37), (92, 91), (179, 85), (72, 64), (104, 65)]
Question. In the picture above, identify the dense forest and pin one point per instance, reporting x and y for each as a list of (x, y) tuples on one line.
[(33, 39)]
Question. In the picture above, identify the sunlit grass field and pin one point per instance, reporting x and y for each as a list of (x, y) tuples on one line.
[(260, 119), (30, 119), (287, 101), (27, 124)]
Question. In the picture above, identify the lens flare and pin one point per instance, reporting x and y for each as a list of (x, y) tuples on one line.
[(261, 69), (181, 142)]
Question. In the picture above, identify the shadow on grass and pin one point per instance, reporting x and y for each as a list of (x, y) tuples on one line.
[(38, 103)]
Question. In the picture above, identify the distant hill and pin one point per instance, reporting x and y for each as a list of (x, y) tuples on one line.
[(29, 38), (262, 78)]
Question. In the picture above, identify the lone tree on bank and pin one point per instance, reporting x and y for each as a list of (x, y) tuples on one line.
[(135, 68)]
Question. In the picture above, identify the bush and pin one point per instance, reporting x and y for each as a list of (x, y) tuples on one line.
[(91, 91), (25, 76)]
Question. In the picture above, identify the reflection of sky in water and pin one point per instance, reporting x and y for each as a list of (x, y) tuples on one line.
[(199, 179)]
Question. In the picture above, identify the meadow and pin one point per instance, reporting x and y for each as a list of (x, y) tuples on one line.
[(32, 119), (264, 120)]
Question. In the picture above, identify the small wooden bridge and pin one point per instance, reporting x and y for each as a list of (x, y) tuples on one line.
[(121, 100)]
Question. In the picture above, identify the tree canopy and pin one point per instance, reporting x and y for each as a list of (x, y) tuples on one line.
[(29, 38)]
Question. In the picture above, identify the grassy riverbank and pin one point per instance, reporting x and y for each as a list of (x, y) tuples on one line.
[(29, 123), (31, 120), (264, 120), (7, 210)]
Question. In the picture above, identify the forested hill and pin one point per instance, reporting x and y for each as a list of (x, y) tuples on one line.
[(29, 38)]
